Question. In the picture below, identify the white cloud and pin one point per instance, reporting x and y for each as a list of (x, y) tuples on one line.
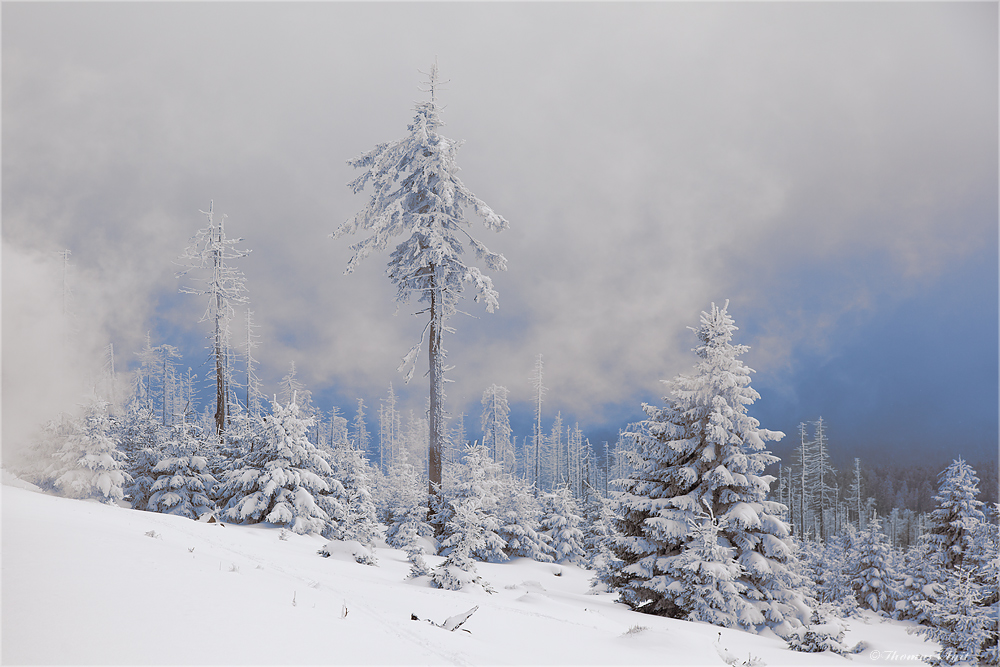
[(651, 158)]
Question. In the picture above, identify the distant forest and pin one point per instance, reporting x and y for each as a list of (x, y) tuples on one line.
[(913, 487)]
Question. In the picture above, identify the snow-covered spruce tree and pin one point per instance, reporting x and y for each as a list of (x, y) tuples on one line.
[(183, 483), (921, 580), (464, 535), (406, 513), (703, 448), (598, 527), (958, 514), (964, 627), (495, 422), (519, 514), (561, 521), (360, 521), (476, 491), (417, 192), (835, 570), (985, 559), (88, 464), (279, 477), (211, 251), (872, 580), (138, 436)]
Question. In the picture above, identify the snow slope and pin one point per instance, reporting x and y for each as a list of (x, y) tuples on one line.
[(85, 583)]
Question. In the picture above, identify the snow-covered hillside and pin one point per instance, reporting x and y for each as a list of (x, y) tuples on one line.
[(86, 583)]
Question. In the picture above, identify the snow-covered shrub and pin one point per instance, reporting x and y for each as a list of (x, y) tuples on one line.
[(349, 550), (418, 566), (824, 633)]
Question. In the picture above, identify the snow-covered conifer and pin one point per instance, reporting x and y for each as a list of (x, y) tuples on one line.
[(406, 513), (837, 556), (137, 435), (958, 514), (561, 521), (464, 535), (598, 526), (872, 579), (519, 514), (183, 483), (476, 491), (704, 447), (279, 477), (920, 580), (359, 430), (495, 422), (88, 464), (964, 627), (360, 521), (292, 390), (417, 192), (390, 431)]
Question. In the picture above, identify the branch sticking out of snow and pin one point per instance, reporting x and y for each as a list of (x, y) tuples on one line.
[(452, 623)]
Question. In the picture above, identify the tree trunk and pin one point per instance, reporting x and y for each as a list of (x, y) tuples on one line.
[(220, 375), (435, 418)]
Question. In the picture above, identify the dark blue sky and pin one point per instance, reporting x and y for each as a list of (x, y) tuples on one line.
[(831, 169)]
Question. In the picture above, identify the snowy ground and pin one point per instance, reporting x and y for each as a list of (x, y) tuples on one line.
[(84, 583)]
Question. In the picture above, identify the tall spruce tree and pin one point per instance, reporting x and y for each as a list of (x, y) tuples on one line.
[(417, 192), (703, 451)]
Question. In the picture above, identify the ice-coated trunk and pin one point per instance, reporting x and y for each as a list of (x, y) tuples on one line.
[(436, 416), (220, 375)]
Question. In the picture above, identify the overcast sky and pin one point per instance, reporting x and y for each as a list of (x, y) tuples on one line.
[(831, 169)]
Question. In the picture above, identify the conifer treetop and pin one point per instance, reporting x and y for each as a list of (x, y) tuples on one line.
[(416, 189)]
